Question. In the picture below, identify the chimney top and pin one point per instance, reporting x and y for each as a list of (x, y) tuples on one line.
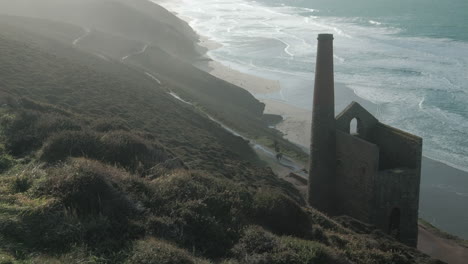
[(325, 37)]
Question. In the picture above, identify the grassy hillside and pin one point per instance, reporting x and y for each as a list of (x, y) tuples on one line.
[(99, 164), (120, 29), (133, 19)]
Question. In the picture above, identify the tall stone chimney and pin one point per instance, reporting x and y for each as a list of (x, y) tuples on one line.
[(322, 149)]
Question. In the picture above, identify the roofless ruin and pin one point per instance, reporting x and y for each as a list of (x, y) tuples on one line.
[(373, 174)]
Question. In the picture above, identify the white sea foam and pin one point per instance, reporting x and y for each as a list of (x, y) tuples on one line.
[(420, 84)]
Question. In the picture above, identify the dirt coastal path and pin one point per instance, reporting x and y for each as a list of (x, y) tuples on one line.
[(441, 248), (136, 53), (86, 33)]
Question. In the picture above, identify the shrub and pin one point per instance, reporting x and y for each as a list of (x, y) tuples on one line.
[(259, 246), (106, 125), (88, 188), (20, 184), (6, 259), (210, 212), (6, 162), (117, 148), (131, 151), (45, 226), (152, 251), (255, 240), (26, 130), (71, 143), (280, 214), (19, 132), (50, 123)]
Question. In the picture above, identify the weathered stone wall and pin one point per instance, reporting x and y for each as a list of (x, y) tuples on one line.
[(398, 149), (357, 165), (398, 188), (365, 121)]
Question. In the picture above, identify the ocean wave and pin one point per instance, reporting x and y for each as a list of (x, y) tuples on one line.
[(373, 22)]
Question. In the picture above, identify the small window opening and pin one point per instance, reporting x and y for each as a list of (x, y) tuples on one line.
[(353, 127)]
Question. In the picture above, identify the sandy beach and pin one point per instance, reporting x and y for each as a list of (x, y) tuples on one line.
[(253, 84)]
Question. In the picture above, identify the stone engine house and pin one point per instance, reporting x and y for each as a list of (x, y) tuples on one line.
[(371, 174)]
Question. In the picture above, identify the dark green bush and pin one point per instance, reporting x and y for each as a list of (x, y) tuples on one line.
[(280, 214), (46, 227), (120, 148), (152, 251), (19, 132), (50, 123), (20, 184), (72, 144), (261, 247), (208, 212), (131, 151), (88, 188), (6, 162), (25, 130), (107, 125)]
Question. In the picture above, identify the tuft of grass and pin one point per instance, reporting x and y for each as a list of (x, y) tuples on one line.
[(20, 184), (25, 130), (207, 213), (260, 246), (280, 214), (6, 162), (122, 148), (88, 188), (152, 251)]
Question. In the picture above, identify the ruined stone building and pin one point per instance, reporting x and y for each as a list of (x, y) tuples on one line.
[(372, 175)]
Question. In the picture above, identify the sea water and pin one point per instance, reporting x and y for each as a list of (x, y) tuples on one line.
[(410, 57)]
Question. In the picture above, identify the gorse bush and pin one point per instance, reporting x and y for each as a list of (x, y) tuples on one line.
[(261, 247), (20, 184), (120, 148), (280, 214), (106, 125), (132, 152), (88, 188), (6, 162), (25, 130), (152, 251), (79, 202), (207, 212), (71, 144)]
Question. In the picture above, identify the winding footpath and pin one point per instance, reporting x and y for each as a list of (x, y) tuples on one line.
[(154, 78), (136, 53), (287, 162), (85, 34)]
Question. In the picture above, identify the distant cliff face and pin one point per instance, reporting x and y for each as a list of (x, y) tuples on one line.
[(137, 20)]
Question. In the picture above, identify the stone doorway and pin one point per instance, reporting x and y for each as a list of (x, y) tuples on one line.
[(394, 223)]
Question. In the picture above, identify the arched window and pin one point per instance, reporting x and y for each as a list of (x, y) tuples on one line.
[(354, 127), (394, 223)]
